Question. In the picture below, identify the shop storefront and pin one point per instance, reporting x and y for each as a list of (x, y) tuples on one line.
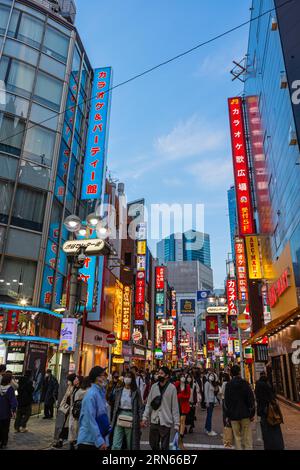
[(94, 350), (138, 356)]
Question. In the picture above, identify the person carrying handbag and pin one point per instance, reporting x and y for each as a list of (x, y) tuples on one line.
[(65, 407), (270, 414), (127, 415)]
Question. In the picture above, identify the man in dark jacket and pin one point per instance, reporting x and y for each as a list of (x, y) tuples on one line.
[(239, 405), (49, 394), (25, 391)]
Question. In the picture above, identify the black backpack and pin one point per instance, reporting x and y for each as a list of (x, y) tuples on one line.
[(76, 409)]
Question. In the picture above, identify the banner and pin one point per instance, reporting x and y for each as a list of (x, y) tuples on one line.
[(159, 278), (212, 325), (126, 321), (232, 326), (231, 296), (241, 269), (187, 306), (241, 167), (254, 266)]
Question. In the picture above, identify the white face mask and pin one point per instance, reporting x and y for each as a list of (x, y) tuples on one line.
[(189, 380), (211, 378), (127, 381), (182, 380)]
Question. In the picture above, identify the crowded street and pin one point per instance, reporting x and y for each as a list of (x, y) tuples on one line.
[(149, 230)]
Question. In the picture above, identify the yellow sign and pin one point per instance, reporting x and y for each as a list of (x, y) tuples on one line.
[(141, 247), (147, 313), (254, 265), (118, 317), (118, 360)]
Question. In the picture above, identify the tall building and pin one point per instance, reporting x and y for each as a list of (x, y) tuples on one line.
[(189, 246), (272, 116), (232, 217)]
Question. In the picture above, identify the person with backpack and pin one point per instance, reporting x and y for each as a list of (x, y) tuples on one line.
[(77, 396), (211, 390), (25, 399), (239, 405), (8, 406), (270, 415), (49, 394), (162, 409)]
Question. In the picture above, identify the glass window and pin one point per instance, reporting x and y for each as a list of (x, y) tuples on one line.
[(34, 175), (52, 66), (6, 190), (23, 244), (30, 30), (2, 234), (48, 91), (76, 61), (56, 44), (4, 16), (22, 271), (29, 209), (70, 201), (39, 145), (11, 134), (20, 51), (17, 76), (59, 26), (72, 176), (8, 167), (14, 105), (33, 12), (12, 29), (44, 116)]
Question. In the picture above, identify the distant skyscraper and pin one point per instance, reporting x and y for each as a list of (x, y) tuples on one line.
[(189, 246), (232, 216)]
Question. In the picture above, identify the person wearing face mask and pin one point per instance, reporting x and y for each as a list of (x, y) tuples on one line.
[(112, 387), (127, 415), (94, 424), (195, 398), (65, 407), (162, 409), (210, 401), (49, 394)]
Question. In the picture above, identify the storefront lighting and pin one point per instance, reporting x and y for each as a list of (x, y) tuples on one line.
[(60, 310), (8, 283), (23, 302), (1, 281), (15, 280), (21, 284)]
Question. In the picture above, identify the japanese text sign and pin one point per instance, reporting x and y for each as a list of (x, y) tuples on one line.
[(254, 265), (212, 325), (126, 322), (241, 269), (240, 167), (95, 159), (160, 277), (231, 296)]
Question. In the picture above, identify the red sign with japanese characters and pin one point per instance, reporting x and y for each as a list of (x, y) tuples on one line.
[(278, 288), (160, 277), (231, 296), (212, 325), (241, 269), (240, 167)]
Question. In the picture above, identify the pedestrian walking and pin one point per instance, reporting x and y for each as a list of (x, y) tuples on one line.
[(77, 396), (2, 371), (139, 379), (195, 398), (94, 423), (49, 394), (183, 395), (8, 406), (65, 408), (25, 398), (127, 415), (225, 381), (210, 390), (162, 409), (112, 387), (265, 397), (239, 405)]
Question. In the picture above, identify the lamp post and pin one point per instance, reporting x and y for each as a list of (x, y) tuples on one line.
[(77, 256)]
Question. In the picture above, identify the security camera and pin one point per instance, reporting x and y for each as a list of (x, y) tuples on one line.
[(81, 258)]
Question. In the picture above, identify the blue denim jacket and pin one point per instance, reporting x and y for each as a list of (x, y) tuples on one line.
[(93, 418)]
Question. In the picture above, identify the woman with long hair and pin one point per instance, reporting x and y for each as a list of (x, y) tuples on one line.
[(8, 406), (195, 398), (183, 394), (77, 396), (127, 415)]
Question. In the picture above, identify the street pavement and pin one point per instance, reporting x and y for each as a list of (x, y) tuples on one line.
[(40, 433)]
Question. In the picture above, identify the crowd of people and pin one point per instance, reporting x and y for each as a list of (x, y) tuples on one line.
[(110, 414)]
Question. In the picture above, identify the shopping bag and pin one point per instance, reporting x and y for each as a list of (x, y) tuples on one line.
[(175, 443), (228, 437), (259, 436)]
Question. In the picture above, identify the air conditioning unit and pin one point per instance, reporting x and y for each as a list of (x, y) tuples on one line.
[(292, 137), (274, 24), (283, 81)]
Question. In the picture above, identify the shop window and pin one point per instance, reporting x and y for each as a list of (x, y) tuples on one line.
[(4, 16), (20, 51), (44, 116), (23, 244), (56, 44), (8, 167), (14, 105), (26, 28), (6, 190), (11, 134), (39, 145), (34, 175), (17, 76), (48, 91), (29, 209)]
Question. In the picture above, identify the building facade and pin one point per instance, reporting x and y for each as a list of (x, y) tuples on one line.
[(272, 117), (189, 246)]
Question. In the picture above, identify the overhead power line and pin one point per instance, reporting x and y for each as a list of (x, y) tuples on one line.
[(155, 67)]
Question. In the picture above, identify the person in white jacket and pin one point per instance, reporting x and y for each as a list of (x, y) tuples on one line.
[(210, 390)]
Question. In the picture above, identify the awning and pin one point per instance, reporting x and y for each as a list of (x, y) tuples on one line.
[(275, 325)]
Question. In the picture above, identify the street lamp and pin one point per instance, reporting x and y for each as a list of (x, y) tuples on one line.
[(72, 223)]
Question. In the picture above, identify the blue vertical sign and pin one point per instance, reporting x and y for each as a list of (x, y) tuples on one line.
[(95, 158)]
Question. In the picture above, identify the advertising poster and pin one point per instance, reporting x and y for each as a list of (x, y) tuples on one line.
[(188, 306), (68, 335), (212, 325), (37, 361)]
